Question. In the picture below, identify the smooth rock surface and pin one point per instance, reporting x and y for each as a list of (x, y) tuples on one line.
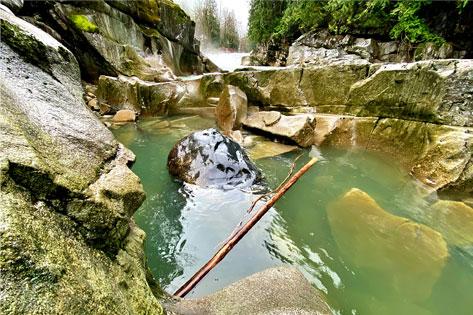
[(410, 256), (280, 290), (124, 115), (454, 220), (68, 242), (231, 109), (209, 159), (298, 128)]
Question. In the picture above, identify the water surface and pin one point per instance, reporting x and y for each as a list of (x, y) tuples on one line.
[(185, 225)]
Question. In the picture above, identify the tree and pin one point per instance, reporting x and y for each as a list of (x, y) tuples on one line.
[(229, 37), (207, 23), (264, 18)]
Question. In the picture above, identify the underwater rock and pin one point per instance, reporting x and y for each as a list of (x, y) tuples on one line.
[(454, 220), (207, 158), (298, 128), (409, 256), (280, 290), (231, 109)]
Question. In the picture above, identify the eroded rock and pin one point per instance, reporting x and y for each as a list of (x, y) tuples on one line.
[(409, 255), (69, 244), (209, 159), (298, 128)]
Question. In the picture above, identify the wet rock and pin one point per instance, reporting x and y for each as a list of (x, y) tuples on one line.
[(454, 220), (69, 244), (14, 5), (124, 115), (231, 109), (143, 97), (209, 159), (280, 290), (430, 91), (298, 128), (410, 256)]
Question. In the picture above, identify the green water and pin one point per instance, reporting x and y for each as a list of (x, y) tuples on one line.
[(185, 226)]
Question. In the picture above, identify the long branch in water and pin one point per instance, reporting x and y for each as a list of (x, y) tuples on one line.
[(227, 247)]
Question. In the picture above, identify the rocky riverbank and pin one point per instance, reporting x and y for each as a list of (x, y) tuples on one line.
[(69, 242)]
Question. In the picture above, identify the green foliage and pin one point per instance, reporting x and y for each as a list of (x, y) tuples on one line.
[(82, 23), (207, 23), (409, 26), (264, 19), (229, 36), (301, 16), (289, 18)]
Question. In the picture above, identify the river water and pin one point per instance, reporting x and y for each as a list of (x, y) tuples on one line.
[(185, 225), (226, 61)]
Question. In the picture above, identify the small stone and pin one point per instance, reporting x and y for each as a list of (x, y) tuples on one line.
[(124, 115), (93, 104)]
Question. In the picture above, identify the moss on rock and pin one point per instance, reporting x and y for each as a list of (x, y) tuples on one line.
[(82, 23)]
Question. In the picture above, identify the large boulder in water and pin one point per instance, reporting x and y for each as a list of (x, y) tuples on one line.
[(207, 158)]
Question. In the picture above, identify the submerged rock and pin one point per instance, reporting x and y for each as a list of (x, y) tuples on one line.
[(454, 220), (280, 290), (409, 256), (209, 159), (298, 128)]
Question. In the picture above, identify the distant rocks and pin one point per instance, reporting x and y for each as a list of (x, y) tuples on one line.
[(209, 159)]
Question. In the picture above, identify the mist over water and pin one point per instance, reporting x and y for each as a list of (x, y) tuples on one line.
[(225, 61)]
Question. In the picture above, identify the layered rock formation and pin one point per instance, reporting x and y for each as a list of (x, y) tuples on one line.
[(153, 40), (68, 243)]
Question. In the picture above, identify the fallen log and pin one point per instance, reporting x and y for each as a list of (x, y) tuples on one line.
[(233, 240)]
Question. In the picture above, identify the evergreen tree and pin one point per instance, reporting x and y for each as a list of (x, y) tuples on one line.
[(207, 23), (229, 36)]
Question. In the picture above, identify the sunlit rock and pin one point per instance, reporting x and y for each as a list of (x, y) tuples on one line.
[(260, 147), (454, 220), (410, 256)]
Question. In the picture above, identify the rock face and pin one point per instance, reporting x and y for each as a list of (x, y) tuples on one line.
[(152, 40), (69, 245), (14, 5), (268, 292), (411, 256), (209, 159), (298, 128), (124, 115), (231, 109)]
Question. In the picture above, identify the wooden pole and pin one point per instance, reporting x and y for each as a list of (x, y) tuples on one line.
[(232, 241)]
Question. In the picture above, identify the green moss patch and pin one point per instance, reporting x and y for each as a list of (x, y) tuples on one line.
[(82, 23)]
